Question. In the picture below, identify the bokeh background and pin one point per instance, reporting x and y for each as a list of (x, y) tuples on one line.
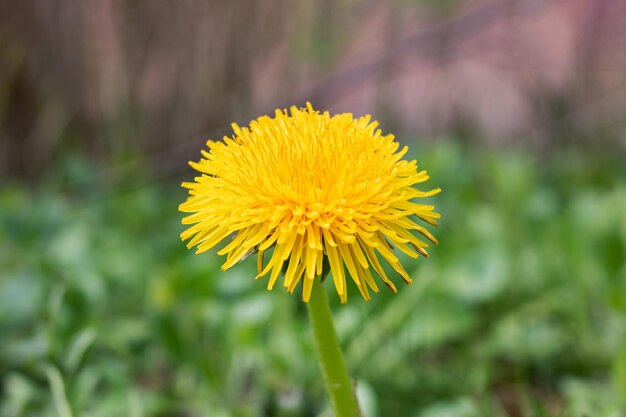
[(516, 107)]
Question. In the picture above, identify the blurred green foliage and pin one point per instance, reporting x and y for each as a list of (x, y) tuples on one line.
[(521, 309)]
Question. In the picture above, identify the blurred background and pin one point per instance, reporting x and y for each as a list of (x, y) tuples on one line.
[(516, 107)]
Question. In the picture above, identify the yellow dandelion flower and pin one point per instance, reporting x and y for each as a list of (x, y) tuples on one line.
[(310, 188)]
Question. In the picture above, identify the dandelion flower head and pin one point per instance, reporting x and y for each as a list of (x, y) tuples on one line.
[(310, 191)]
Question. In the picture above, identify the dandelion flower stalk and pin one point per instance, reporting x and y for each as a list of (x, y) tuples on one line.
[(334, 371), (314, 192)]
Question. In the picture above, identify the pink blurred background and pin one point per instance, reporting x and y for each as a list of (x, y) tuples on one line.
[(159, 77)]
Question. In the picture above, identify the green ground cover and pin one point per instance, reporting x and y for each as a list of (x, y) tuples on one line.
[(520, 309)]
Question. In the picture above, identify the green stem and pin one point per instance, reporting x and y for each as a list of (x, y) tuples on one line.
[(336, 377)]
